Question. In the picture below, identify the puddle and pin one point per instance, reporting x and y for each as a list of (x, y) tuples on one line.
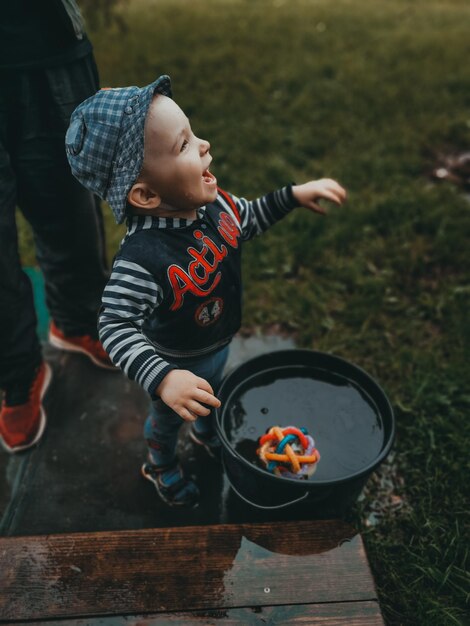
[(269, 574), (244, 348)]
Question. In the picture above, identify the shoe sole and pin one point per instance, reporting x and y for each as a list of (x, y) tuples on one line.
[(194, 437), (157, 487), (70, 347), (42, 417)]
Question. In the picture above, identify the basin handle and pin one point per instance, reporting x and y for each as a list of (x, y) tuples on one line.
[(260, 506)]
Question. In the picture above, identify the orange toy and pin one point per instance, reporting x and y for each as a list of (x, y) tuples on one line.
[(288, 452)]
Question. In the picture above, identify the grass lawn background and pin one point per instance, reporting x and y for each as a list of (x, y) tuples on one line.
[(364, 92)]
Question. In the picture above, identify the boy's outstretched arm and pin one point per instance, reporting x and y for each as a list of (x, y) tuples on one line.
[(256, 216), (186, 394), (308, 194)]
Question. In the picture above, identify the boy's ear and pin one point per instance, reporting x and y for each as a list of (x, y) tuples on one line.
[(142, 197)]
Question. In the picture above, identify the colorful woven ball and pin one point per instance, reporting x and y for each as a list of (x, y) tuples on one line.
[(289, 452)]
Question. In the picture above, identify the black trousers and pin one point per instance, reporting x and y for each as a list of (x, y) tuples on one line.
[(66, 219)]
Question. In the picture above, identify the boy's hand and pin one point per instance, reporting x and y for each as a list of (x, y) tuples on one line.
[(308, 194), (183, 392)]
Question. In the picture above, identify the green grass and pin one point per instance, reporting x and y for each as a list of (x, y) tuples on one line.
[(363, 92)]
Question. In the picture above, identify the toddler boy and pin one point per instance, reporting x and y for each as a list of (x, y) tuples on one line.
[(173, 301)]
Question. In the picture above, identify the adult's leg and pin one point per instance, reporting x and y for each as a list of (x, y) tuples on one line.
[(20, 350), (66, 218)]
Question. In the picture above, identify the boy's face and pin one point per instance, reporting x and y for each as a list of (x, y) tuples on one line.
[(176, 162)]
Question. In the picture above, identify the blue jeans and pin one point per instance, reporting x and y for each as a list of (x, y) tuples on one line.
[(162, 425)]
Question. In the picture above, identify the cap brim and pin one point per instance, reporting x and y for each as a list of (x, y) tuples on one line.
[(162, 86)]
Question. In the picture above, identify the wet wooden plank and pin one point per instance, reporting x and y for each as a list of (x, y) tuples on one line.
[(180, 569), (336, 614)]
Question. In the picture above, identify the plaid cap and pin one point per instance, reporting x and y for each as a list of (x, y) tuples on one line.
[(105, 140)]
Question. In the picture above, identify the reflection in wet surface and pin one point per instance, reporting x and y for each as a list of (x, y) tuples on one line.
[(269, 573), (249, 565)]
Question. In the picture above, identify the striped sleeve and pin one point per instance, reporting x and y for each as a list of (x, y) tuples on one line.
[(129, 298), (258, 215)]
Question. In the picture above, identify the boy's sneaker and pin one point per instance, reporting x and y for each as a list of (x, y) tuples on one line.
[(22, 417), (210, 442), (85, 344), (172, 486)]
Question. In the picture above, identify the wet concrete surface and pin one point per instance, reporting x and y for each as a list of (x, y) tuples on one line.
[(84, 475)]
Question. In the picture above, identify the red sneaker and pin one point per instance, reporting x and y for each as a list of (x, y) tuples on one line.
[(85, 344), (22, 417)]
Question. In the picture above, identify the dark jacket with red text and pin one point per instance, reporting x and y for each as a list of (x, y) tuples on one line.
[(175, 288)]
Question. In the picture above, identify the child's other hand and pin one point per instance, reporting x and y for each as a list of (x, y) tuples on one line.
[(183, 392), (308, 194)]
